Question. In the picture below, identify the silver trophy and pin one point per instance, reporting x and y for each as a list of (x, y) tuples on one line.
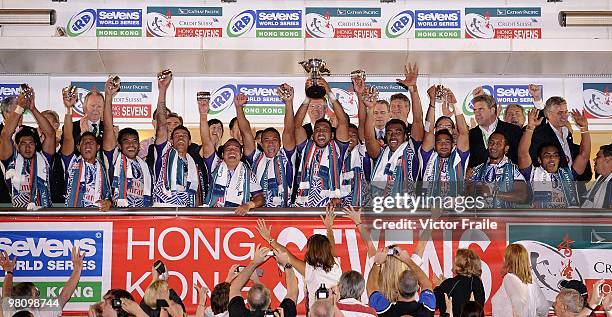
[(203, 95), (359, 73), (163, 74), (371, 94), (70, 91), (26, 91), (315, 67), (440, 93), (116, 81), (284, 92)]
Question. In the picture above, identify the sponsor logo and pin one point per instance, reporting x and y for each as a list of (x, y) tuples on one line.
[(9, 90), (285, 19), (160, 25), (438, 19), (81, 22), (509, 23), (260, 94), (503, 94), (400, 24), (597, 100), (119, 18), (319, 26), (241, 23), (222, 99)]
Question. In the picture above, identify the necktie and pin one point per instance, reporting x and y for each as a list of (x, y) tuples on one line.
[(380, 135), (95, 129)]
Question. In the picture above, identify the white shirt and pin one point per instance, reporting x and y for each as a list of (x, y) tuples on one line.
[(378, 133), (515, 298), (562, 137), (487, 131), (314, 277), (358, 309)]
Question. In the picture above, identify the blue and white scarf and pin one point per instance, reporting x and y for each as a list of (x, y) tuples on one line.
[(355, 187), (436, 166), (597, 195), (487, 173), (82, 176), (229, 187), (319, 175), (544, 183), (178, 181), (270, 173), (35, 179), (392, 173), (124, 182)]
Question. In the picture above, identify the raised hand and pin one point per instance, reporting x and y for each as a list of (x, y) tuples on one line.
[(532, 118), (381, 256), (285, 92), (263, 230), (535, 91), (580, 118), (202, 294), (203, 106), (351, 213), (261, 255), (358, 85), (308, 83), (281, 257), (431, 92), (330, 215), (77, 258), (164, 82), (109, 87), (411, 72), (240, 100), (323, 83), (69, 101), (6, 263), (478, 91)]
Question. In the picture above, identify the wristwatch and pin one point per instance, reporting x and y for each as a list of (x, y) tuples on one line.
[(288, 266)]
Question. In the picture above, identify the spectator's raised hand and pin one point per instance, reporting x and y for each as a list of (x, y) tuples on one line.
[(263, 230), (281, 257), (478, 91), (330, 215), (261, 255), (131, 307), (596, 296), (77, 258), (6, 263), (202, 294), (381, 256), (535, 91), (580, 118), (411, 73), (532, 118), (354, 215)]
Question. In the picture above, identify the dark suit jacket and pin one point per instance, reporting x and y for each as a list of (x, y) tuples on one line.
[(478, 150), (544, 134), (76, 132)]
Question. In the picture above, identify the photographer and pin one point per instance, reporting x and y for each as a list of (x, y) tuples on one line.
[(116, 303), (159, 300), (258, 296)]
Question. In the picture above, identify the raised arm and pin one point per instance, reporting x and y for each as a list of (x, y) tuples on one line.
[(524, 159), (355, 215), (290, 279), (372, 145), (8, 266), (289, 122), (208, 147), (109, 142), (68, 143), (300, 133), (424, 282), (328, 221), (161, 132), (49, 143), (463, 133), (429, 139), (73, 281), (248, 139), (10, 125), (582, 159), (359, 87), (343, 120), (264, 231), (243, 277), (372, 284), (411, 72)]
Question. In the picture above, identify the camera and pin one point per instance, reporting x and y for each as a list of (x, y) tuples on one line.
[(116, 305), (322, 292), (392, 251), (240, 268), (161, 303), (159, 267), (270, 313), (270, 253)]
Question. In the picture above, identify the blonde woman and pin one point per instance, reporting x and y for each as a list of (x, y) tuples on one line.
[(519, 295), (154, 294), (464, 285)]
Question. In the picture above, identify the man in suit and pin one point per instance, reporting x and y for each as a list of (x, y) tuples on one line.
[(93, 106), (555, 130), (485, 113), (316, 111)]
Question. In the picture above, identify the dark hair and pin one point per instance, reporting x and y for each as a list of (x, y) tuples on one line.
[(259, 133), (23, 289), (23, 313), (323, 120), (606, 150), (319, 253), (552, 101), (547, 144), (270, 129), (91, 134), (233, 122), (125, 132), (443, 132), (489, 100), (27, 132), (502, 134), (396, 121), (116, 293), (181, 127), (232, 140), (515, 105), (442, 118), (353, 126), (175, 115), (472, 309), (219, 298), (215, 121), (400, 96)]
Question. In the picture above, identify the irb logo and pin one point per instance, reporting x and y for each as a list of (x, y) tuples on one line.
[(222, 99), (241, 23), (81, 22), (400, 24)]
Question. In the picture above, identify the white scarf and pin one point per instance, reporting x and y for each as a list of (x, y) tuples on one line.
[(307, 161), (18, 178), (600, 195), (429, 174), (235, 191), (122, 202), (379, 176), (192, 172), (357, 154)]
